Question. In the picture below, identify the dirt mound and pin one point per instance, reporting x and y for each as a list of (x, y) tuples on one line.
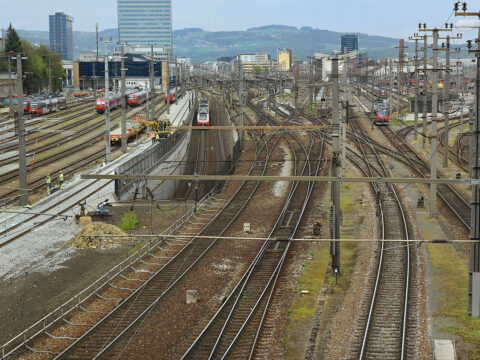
[(90, 236)]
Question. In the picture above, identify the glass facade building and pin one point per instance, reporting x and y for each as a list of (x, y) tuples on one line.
[(350, 42), (145, 22), (61, 35)]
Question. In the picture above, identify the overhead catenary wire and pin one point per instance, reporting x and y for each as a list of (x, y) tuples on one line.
[(312, 239)]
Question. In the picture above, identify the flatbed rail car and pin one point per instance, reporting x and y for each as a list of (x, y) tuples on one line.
[(203, 116), (133, 129), (41, 106), (381, 112)]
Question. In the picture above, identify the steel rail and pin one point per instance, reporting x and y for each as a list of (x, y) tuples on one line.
[(252, 192)]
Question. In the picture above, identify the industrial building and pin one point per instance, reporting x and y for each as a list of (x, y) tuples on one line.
[(61, 35), (145, 23), (284, 59), (85, 73), (349, 41)]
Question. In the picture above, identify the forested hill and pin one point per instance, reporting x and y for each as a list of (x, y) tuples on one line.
[(203, 45)]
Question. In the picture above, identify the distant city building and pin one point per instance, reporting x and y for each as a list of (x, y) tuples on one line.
[(256, 62), (226, 59), (61, 35), (284, 59), (350, 42), (145, 23)]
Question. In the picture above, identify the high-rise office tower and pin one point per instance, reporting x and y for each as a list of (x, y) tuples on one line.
[(61, 35), (145, 23), (350, 42)]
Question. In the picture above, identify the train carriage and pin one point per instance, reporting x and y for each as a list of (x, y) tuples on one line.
[(381, 112), (41, 106), (173, 95), (203, 117), (138, 98), (114, 104)]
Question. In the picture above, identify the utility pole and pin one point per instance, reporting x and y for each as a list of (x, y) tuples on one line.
[(425, 87), (433, 157), (95, 87), (10, 87), (311, 83), (446, 100), (460, 83), (335, 209), (124, 101), (434, 134), (168, 83), (22, 146), (401, 57), (107, 108), (152, 85), (474, 265), (240, 98), (415, 125), (50, 90)]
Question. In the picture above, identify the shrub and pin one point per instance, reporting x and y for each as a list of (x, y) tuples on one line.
[(129, 221)]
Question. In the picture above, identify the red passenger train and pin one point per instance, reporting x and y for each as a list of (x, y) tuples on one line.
[(138, 98), (115, 103), (44, 106), (381, 112)]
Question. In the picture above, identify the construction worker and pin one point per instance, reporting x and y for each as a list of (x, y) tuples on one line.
[(157, 137), (49, 184), (60, 179), (152, 135)]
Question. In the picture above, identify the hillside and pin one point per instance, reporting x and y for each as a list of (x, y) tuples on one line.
[(203, 45)]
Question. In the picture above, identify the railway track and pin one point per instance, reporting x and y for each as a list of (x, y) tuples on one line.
[(108, 334), (236, 328), (381, 330), (450, 197), (382, 326), (38, 182)]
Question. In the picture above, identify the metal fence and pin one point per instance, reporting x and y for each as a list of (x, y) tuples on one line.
[(79, 302)]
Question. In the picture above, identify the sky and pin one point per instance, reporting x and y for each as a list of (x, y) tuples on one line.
[(375, 17)]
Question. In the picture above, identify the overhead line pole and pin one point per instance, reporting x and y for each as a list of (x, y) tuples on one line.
[(152, 85), (22, 146), (107, 108), (434, 132), (417, 85), (446, 100), (124, 100), (335, 209), (474, 263)]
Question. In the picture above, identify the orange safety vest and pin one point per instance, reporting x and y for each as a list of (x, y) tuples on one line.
[(152, 135)]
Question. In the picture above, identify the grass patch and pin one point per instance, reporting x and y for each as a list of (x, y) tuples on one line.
[(129, 221), (451, 300)]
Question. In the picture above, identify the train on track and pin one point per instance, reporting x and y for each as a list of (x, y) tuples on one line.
[(132, 97), (39, 106), (138, 98), (115, 103), (381, 111), (174, 93), (203, 117)]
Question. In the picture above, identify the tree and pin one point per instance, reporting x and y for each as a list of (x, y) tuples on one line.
[(257, 70), (13, 42)]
